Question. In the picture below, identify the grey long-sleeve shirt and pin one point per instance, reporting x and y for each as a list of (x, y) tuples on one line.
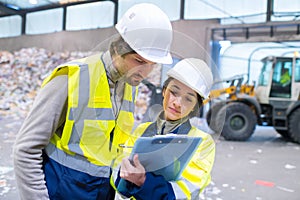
[(34, 135), (47, 114)]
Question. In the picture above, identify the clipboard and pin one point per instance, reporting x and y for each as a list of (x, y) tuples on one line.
[(165, 155)]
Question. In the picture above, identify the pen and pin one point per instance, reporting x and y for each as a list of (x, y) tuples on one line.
[(124, 146)]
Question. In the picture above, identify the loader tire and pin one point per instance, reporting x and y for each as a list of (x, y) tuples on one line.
[(211, 117), (240, 122), (294, 126)]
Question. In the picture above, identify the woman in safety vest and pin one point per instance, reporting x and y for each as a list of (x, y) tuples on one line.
[(188, 85), (70, 139)]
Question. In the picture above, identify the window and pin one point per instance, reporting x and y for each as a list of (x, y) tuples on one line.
[(282, 76), (282, 71), (10, 26), (90, 16), (287, 10), (297, 70), (170, 7), (264, 77), (252, 11), (47, 21)]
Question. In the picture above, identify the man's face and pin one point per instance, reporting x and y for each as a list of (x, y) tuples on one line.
[(134, 68)]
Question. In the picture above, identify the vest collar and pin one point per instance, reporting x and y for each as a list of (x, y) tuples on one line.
[(153, 129)]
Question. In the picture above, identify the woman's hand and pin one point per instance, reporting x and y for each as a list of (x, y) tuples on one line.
[(134, 172)]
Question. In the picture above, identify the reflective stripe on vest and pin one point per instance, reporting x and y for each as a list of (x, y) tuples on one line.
[(183, 189), (84, 144)]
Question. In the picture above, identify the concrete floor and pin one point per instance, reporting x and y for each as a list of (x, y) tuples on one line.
[(265, 167)]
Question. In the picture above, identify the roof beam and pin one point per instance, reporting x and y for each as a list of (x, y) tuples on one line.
[(6, 10), (58, 5)]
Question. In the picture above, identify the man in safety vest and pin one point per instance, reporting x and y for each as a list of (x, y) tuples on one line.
[(285, 78), (84, 111)]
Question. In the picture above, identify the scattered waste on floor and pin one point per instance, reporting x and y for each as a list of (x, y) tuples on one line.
[(4, 170), (288, 166), (264, 183), (285, 189)]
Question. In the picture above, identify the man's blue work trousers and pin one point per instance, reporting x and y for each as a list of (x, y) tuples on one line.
[(64, 183)]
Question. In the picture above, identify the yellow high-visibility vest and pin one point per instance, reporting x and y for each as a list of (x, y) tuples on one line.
[(196, 175), (91, 134)]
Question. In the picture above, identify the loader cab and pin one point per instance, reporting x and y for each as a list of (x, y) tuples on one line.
[(279, 78)]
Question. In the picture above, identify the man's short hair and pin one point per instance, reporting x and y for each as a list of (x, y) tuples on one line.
[(119, 46)]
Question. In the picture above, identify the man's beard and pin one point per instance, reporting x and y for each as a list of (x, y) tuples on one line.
[(134, 79)]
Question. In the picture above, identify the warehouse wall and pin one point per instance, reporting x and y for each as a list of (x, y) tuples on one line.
[(60, 41), (191, 39)]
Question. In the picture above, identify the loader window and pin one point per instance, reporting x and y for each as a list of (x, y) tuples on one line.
[(297, 70), (281, 80), (264, 76)]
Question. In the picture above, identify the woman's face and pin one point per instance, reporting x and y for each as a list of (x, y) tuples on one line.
[(179, 100)]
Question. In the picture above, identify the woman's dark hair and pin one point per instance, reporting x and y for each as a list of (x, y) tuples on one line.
[(120, 46), (199, 104)]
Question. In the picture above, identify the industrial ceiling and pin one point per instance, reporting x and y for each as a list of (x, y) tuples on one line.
[(21, 7)]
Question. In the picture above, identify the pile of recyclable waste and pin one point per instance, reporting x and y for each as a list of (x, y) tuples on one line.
[(22, 73)]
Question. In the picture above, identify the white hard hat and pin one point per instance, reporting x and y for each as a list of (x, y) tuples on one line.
[(195, 74), (148, 31)]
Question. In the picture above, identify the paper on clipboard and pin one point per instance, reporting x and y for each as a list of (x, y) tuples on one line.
[(166, 155)]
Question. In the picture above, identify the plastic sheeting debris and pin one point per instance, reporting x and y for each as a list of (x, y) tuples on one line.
[(264, 183), (285, 189), (288, 166), (4, 170)]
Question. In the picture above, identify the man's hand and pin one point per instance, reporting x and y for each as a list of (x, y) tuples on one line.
[(134, 172)]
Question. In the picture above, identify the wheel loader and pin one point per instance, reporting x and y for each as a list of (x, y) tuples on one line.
[(235, 111)]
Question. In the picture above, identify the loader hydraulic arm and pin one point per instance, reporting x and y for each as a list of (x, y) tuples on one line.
[(231, 91)]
